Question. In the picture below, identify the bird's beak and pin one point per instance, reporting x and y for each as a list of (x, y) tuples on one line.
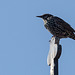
[(39, 16)]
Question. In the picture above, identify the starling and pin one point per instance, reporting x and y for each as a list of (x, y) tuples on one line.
[(57, 26)]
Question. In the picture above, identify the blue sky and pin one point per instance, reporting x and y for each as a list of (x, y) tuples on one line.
[(24, 40)]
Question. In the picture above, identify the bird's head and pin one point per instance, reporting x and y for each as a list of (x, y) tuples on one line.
[(45, 17)]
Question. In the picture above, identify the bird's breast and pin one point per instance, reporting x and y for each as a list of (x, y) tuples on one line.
[(50, 26)]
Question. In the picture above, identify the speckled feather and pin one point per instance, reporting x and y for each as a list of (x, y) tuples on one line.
[(58, 27)]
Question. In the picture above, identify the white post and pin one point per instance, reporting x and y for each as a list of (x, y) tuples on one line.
[(53, 54)]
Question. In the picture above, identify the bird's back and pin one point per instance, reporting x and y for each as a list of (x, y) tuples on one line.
[(64, 24), (59, 27)]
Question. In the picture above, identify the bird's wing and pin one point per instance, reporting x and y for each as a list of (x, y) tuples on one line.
[(65, 25)]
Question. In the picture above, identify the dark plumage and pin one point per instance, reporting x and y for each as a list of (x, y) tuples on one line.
[(57, 27)]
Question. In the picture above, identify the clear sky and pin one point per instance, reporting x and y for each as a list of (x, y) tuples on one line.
[(24, 40)]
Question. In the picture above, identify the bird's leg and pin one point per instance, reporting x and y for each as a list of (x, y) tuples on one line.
[(56, 39)]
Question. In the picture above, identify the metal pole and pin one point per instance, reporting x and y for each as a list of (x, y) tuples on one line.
[(53, 56), (56, 67), (56, 60)]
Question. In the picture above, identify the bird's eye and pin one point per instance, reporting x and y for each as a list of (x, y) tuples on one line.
[(45, 17)]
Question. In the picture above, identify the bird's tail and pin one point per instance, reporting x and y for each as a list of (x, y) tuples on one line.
[(72, 36)]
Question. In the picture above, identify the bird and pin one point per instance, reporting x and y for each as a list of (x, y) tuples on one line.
[(57, 26)]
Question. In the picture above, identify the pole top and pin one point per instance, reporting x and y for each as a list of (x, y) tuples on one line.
[(55, 50)]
